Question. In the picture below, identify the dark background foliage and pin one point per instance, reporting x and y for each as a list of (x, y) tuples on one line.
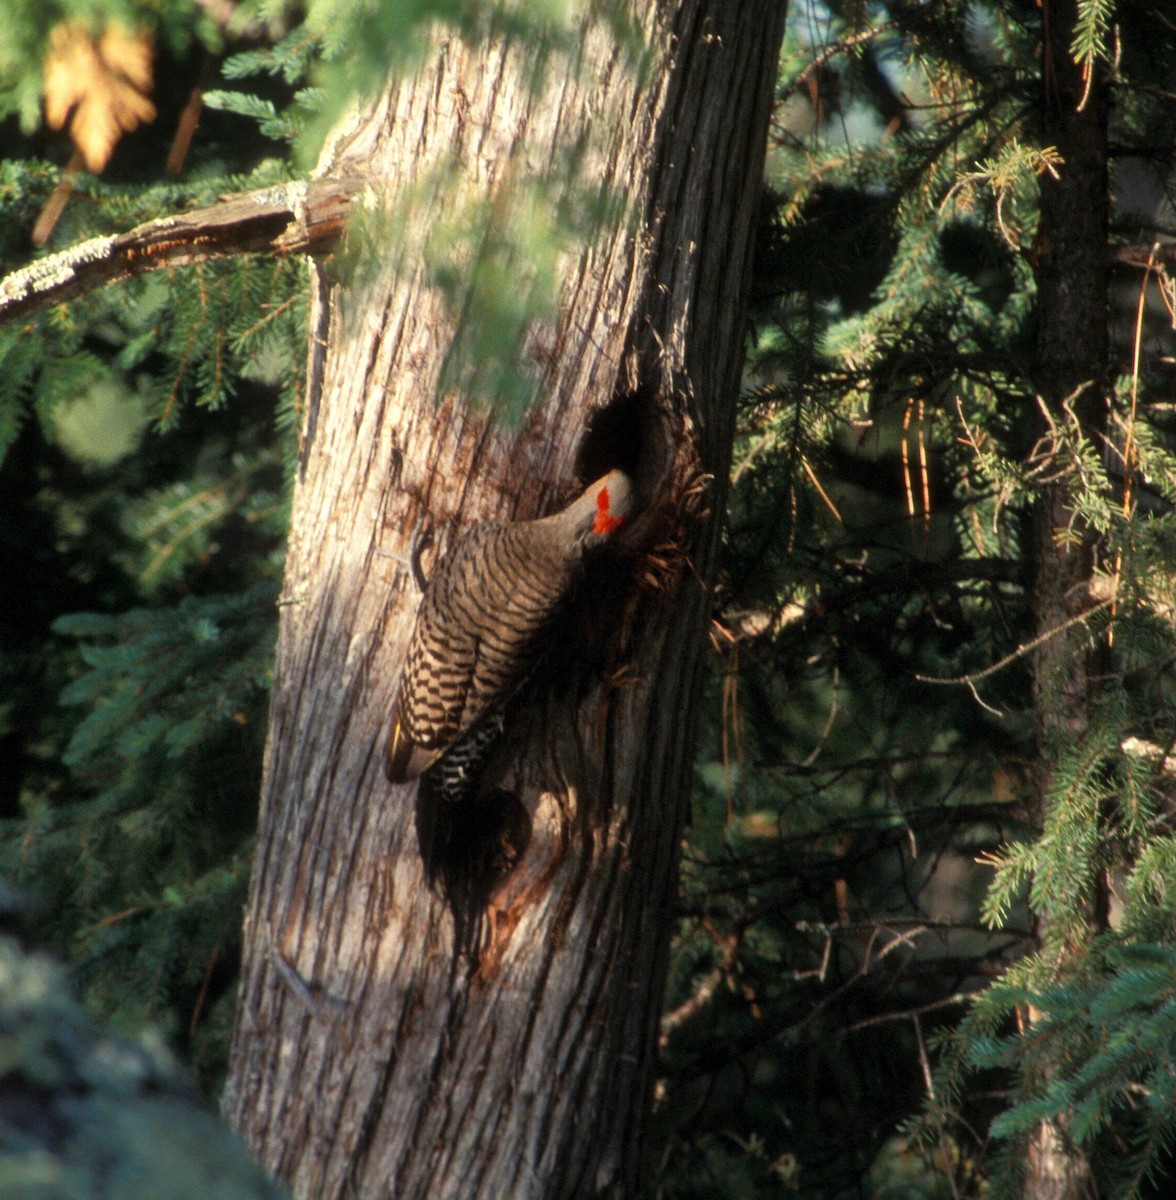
[(863, 863)]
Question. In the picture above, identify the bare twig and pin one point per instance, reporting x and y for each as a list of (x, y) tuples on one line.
[(886, 1018), (1021, 650), (731, 944), (1144, 256), (55, 205)]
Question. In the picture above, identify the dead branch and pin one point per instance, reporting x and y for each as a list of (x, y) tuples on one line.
[(292, 218)]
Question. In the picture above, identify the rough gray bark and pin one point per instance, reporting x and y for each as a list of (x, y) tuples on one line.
[(401, 1039)]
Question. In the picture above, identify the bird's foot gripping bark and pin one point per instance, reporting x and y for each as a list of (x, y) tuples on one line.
[(420, 540)]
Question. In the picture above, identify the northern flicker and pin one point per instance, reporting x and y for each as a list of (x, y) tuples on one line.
[(480, 628)]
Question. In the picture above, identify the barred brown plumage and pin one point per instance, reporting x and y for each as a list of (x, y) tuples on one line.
[(480, 627)]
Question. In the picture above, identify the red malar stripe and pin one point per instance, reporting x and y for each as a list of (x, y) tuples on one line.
[(604, 522)]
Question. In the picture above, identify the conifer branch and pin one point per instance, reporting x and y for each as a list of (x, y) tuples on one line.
[(292, 218)]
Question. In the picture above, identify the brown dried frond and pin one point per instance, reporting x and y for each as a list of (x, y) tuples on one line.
[(98, 85)]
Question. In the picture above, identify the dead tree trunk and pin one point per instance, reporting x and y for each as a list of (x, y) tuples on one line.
[(402, 1038)]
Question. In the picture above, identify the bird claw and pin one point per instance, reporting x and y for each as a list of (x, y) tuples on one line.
[(420, 540)]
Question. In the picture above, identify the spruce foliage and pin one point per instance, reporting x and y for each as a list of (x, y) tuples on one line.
[(867, 855), (890, 967), (149, 438)]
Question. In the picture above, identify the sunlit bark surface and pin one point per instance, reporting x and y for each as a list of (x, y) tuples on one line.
[(394, 1037)]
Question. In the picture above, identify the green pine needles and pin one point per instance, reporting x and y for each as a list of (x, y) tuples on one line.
[(898, 859), (148, 440), (925, 922)]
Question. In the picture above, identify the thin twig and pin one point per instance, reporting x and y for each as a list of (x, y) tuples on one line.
[(1020, 651)]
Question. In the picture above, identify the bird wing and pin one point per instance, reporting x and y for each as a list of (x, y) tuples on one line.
[(431, 701)]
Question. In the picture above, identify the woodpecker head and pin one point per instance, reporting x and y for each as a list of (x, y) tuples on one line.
[(602, 509)]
